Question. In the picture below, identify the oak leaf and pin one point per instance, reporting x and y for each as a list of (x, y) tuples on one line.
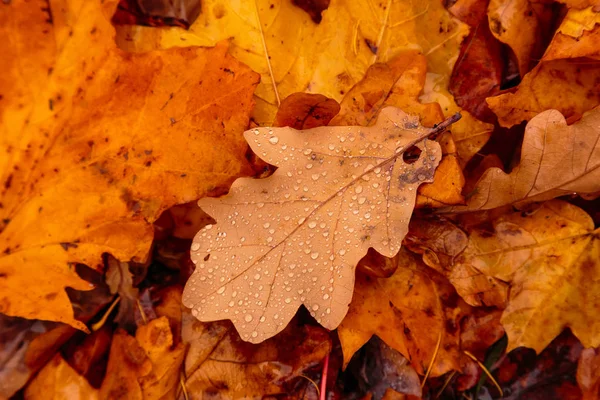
[(91, 141), (566, 79), (522, 25), (398, 83), (295, 238), (556, 160), (409, 311)]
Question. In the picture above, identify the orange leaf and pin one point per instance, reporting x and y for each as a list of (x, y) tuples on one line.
[(556, 160), (409, 311), (567, 79), (305, 111), (220, 365), (295, 237), (588, 374), (59, 381), (96, 143)]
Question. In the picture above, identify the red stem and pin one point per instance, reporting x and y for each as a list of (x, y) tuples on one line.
[(324, 378)]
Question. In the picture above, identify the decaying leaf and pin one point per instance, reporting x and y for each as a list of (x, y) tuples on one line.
[(577, 36), (567, 78), (478, 71), (549, 255), (382, 372), (91, 145), (59, 381), (306, 110), (445, 248), (522, 25), (556, 160), (127, 365), (156, 339), (588, 374), (409, 311), (295, 238), (222, 365)]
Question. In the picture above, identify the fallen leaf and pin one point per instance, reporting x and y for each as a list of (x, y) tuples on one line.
[(524, 26), (59, 381), (120, 281), (378, 370), (398, 83), (478, 71), (306, 111), (89, 357), (567, 79), (409, 311), (314, 8), (588, 374), (25, 347), (92, 138), (337, 192), (444, 247), (221, 365), (548, 376), (157, 340), (556, 160), (577, 36), (128, 363), (271, 36), (548, 255)]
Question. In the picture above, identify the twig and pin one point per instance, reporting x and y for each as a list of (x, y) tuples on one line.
[(488, 373), (102, 321), (435, 353)]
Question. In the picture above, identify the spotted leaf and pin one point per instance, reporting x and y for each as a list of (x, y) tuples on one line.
[(295, 237)]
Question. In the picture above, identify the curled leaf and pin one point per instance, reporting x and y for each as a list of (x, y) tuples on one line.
[(295, 238), (556, 160)]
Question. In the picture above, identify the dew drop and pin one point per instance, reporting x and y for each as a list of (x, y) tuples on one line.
[(221, 290), (358, 189), (248, 318), (314, 256), (274, 140), (195, 246), (288, 300), (312, 224)]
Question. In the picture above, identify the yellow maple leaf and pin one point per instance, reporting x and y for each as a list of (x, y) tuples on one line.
[(91, 145)]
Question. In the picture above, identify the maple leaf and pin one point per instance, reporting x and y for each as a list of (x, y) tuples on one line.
[(296, 237), (91, 145), (270, 37), (409, 311), (556, 160), (548, 255)]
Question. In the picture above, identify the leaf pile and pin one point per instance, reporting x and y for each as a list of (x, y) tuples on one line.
[(354, 238)]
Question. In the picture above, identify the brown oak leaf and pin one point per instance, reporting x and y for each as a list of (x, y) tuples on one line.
[(295, 238)]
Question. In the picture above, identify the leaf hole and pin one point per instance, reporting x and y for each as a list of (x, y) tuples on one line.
[(411, 155)]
